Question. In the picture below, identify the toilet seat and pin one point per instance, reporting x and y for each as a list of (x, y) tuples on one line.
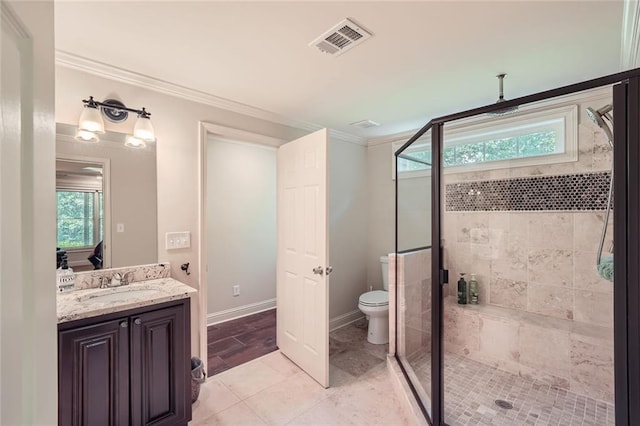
[(374, 298)]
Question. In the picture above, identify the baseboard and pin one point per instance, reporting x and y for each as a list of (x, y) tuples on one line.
[(240, 311), (345, 319)]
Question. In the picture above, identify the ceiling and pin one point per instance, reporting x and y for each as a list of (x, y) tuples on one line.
[(425, 59)]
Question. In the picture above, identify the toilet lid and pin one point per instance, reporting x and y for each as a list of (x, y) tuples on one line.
[(374, 298)]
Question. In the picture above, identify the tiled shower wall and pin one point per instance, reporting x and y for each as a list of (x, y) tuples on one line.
[(414, 301), (544, 311)]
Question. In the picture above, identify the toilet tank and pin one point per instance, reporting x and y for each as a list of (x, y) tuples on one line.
[(384, 262)]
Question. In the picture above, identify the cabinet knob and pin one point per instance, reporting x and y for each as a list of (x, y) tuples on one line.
[(124, 324), (137, 321)]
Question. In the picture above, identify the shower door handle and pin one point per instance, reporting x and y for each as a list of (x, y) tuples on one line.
[(319, 270)]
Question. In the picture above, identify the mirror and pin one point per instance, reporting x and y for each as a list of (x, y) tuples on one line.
[(107, 201)]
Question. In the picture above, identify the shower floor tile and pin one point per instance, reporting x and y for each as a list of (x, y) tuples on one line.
[(471, 389)]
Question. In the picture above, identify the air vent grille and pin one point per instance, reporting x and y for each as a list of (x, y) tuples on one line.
[(342, 37), (365, 124)]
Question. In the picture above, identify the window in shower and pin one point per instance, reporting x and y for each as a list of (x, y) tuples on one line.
[(525, 138)]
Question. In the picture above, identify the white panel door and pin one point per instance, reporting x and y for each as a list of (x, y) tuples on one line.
[(302, 294)]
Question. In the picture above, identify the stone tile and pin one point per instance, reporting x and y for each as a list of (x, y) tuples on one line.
[(594, 308), (355, 362), (461, 330), (280, 363), (238, 415), (551, 267), (250, 378), (499, 338), (473, 228), (588, 228), (286, 400), (214, 397), (586, 273), (545, 349), (551, 230), (592, 371), (508, 293), (550, 300), (510, 264)]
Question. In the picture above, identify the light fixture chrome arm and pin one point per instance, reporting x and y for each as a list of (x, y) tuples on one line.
[(119, 107)]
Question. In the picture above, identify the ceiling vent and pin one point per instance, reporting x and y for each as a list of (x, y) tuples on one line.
[(342, 37), (365, 124)]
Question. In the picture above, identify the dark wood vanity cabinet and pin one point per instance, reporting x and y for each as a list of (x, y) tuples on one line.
[(126, 368)]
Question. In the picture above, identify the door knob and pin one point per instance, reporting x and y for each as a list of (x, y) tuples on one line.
[(329, 270), (124, 324), (319, 270), (137, 321)]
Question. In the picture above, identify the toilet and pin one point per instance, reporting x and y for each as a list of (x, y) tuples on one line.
[(375, 305)]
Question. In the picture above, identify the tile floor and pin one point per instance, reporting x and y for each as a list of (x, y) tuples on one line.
[(235, 342), (471, 389), (271, 390)]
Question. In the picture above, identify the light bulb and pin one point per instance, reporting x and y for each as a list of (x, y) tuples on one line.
[(86, 136), (91, 120), (134, 142), (144, 129)]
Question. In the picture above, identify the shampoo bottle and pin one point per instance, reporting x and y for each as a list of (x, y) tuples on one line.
[(473, 290), (462, 290)]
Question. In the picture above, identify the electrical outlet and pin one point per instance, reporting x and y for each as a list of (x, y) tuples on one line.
[(236, 290)]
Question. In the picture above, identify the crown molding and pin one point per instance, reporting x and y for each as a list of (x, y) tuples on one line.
[(630, 43), (100, 69)]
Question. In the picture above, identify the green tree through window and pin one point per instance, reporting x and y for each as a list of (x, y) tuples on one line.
[(79, 217)]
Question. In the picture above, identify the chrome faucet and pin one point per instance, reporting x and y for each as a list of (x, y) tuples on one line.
[(104, 281), (126, 278), (116, 279)]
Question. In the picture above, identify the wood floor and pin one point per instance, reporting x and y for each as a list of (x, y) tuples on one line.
[(237, 341)]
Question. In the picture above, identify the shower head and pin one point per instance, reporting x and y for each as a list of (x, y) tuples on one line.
[(598, 116), (501, 97)]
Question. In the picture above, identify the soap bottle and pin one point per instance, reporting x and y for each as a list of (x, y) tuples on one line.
[(462, 290), (473, 290), (65, 280)]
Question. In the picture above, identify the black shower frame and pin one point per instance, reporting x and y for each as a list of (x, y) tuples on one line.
[(626, 217)]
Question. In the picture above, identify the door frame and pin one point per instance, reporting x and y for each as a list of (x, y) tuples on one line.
[(626, 100), (207, 130)]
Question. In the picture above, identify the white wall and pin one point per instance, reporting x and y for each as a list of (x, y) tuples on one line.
[(133, 195), (414, 205), (241, 224), (348, 217), (28, 335), (176, 122), (381, 209)]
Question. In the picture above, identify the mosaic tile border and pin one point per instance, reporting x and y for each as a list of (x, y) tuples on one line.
[(574, 192)]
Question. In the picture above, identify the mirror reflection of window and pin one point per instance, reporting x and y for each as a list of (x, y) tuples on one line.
[(80, 211)]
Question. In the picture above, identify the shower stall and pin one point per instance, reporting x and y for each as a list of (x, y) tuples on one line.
[(505, 300)]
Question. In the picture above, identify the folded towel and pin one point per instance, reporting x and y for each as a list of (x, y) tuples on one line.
[(605, 269)]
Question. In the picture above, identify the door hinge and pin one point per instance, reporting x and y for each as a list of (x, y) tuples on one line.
[(444, 276)]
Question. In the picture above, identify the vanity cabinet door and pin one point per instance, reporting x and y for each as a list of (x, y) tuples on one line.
[(93, 374), (160, 367)]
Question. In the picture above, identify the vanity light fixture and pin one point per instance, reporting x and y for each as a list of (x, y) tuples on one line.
[(91, 123)]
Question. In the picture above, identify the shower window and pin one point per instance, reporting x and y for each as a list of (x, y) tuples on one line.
[(525, 138)]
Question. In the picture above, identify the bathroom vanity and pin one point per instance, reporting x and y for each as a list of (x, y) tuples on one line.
[(124, 355)]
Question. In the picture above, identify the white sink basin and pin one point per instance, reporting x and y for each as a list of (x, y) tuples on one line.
[(121, 295)]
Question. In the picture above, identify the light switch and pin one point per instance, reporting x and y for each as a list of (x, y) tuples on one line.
[(120, 227), (177, 240)]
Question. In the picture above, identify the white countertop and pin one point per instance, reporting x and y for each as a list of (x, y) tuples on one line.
[(80, 304)]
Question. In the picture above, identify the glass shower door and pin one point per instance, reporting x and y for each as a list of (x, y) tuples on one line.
[(413, 265)]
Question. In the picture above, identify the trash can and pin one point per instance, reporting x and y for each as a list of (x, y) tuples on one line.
[(197, 377)]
